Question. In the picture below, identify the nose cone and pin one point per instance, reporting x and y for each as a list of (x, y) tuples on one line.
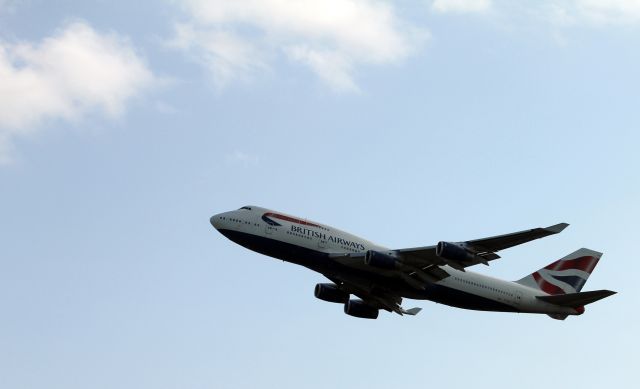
[(215, 221)]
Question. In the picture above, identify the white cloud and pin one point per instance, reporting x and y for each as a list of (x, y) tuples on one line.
[(329, 65), (236, 39), (562, 13), (461, 6), (607, 12), (66, 76), (573, 13), (227, 56)]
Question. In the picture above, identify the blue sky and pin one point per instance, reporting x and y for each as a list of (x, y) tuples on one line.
[(124, 126)]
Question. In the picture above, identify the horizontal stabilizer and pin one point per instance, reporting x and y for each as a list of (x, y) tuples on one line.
[(576, 300)]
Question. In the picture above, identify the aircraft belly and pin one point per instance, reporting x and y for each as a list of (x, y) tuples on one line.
[(278, 249)]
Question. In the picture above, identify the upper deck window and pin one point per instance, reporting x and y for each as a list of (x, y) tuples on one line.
[(249, 208)]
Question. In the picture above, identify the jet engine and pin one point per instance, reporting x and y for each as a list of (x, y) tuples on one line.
[(378, 259), (359, 309), (454, 252), (331, 293)]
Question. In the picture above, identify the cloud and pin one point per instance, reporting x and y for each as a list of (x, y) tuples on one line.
[(329, 65), (235, 40), (227, 56), (565, 14), (604, 12), (66, 76), (562, 13), (461, 6)]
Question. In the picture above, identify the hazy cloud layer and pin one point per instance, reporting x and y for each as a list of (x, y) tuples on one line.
[(236, 39), (65, 76)]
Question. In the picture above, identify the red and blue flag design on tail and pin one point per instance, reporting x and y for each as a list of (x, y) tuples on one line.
[(566, 275)]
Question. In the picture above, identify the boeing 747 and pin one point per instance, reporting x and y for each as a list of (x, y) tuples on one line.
[(381, 277)]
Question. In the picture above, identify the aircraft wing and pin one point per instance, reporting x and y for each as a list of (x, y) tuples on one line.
[(421, 266), (483, 249), (501, 242)]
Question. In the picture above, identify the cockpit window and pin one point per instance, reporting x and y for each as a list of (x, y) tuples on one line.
[(249, 208)]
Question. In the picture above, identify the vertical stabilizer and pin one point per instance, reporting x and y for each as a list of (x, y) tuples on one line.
[(566, 275)]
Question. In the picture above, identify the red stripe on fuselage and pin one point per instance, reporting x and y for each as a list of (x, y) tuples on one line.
[(585, 264), (290, 219)]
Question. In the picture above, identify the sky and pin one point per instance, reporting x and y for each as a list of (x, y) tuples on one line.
[(125, 125)]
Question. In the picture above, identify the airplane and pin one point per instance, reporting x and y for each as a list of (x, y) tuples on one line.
[(382, 277)]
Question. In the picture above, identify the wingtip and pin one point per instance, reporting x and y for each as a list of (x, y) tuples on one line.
[(556, 228)]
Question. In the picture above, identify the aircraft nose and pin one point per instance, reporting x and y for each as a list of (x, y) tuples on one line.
[(215, 221)]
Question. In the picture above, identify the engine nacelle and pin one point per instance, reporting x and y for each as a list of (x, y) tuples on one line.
[(378, 259), (454, 252), (359, 309), (331, 293)]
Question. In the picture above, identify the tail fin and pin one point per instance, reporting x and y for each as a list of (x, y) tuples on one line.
[(566, 275)]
